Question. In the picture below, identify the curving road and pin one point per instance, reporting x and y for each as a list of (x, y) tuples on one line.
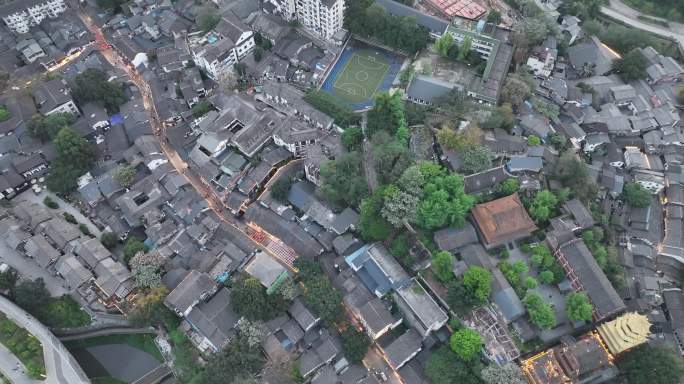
[(60, 366), (622, 12)]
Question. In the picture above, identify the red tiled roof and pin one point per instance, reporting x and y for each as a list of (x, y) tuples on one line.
[(503, 220)]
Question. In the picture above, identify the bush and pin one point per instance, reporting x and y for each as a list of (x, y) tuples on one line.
[(84, 229), (69, 217), (50, 203), (109, 240)]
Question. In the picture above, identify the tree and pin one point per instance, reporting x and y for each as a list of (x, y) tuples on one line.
[(443, 44), (442, 265), (352, 138), (548, 110), (541, 313), (509, 373), (281, 188), (635, 195), (445, 367), (515, 90), (146, 269), (201, 108), (476, 158), (132, 246), (343, 180), (530, 282), (646, 364), (543, 205), (631, 66), (73, 148), (546, 277), (8, 280), (466, 343), (253, 332), (448, 138), (46, 128), (258, 54), (391, 157), (237, 361), (533, 140), (464, 48), (572, 173), (125, 175), (577, 307), (444, 201), (399, 206), (373, 226), (92, 85), (494, 17), (501, 117), (406, 75), (478, 282), (32, 296), (558, 141), (50, 203), (207, 19), (355, 344), (112, 5), (249, 299), (149, 310), (536, 29), (63, 177), (109, 240), (508, 187), (323, 298)]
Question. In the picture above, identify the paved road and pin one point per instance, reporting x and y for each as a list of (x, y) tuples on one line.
[(60, 366), (12, 368), (620, 11)]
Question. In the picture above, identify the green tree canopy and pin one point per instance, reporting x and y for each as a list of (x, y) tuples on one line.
[(508, 187), (319, 294), (635, 195), (466, 343), (647, 365), (478, 282), (237, 361), (476, 158), (73, 148), (372, 225), (46, 128), (125, 175), (352, 138), (32, 295), (249, 299), (281, 188), (109, 240), (343, 180), (92, 85), (149, 310), (366, 19), (577, 306), (442, 265), (509, 373), (132, 246), (445, 367), (355, 344), (541, 313), (543, 205), (631, 66)]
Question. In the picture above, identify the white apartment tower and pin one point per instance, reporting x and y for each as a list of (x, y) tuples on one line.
[(324, 17), (20, 15)]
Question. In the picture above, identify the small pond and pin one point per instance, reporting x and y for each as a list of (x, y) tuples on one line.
[(120, 361)]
